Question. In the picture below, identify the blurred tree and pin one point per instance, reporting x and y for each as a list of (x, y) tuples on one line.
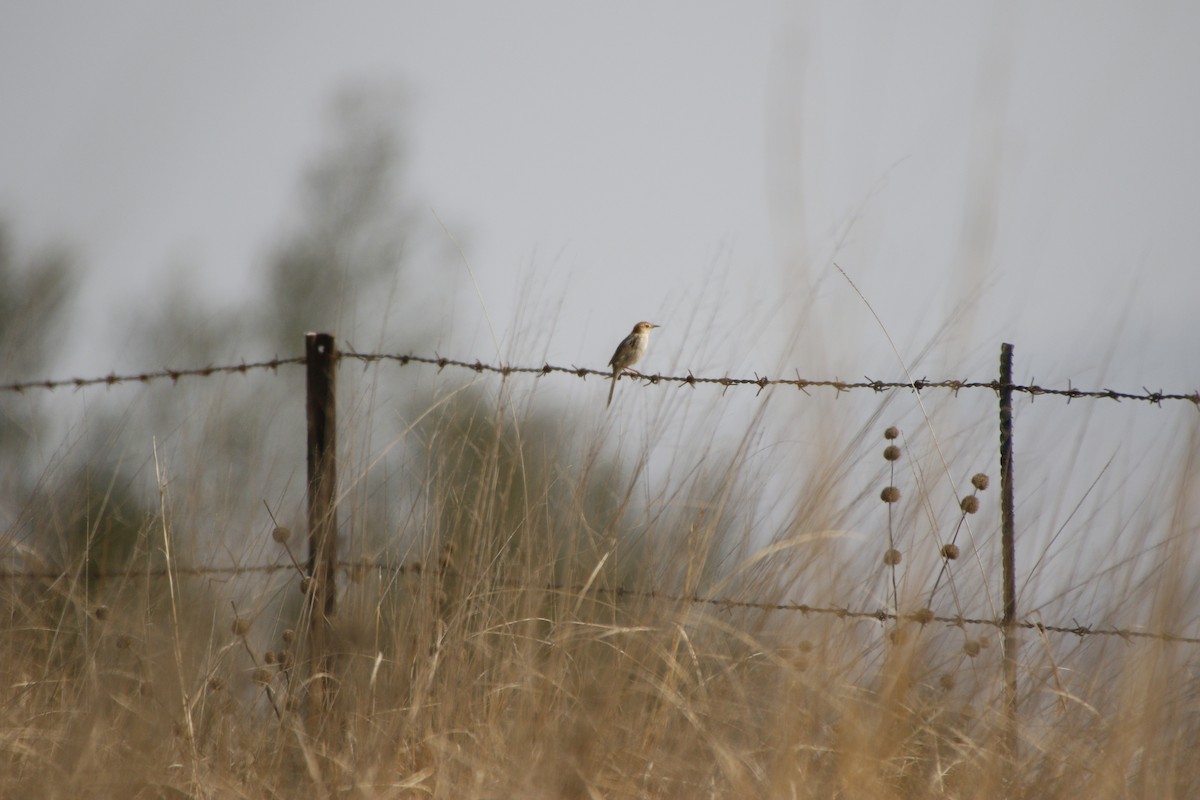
[(349, 246), (33, 315), (336, 270)]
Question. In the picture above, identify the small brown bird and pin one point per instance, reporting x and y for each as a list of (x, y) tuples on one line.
[(629, 352)]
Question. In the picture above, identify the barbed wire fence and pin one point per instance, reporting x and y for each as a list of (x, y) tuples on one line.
[(1155, 397), (360, 567), (321, 359)]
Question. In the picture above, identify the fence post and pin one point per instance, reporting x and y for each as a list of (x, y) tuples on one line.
[(321, 568), (1008, 550)]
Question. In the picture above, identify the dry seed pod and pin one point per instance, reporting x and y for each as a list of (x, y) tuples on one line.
[(892, 557), (949, 551), (979, 481), (890, 494), (970, 504)]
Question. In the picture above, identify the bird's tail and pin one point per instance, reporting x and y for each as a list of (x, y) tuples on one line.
[(612, 388)]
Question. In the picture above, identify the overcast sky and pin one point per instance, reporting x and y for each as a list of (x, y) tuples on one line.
[(700, 165), (642, 161)]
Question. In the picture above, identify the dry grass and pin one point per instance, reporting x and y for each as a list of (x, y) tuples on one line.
[(504, 659)]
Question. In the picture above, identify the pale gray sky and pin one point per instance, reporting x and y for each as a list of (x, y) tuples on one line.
[(619, 155)]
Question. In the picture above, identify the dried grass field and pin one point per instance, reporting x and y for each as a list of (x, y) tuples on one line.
[(523, 613)]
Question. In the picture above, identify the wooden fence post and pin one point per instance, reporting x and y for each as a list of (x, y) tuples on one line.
[(321, 568), (1008, 551)]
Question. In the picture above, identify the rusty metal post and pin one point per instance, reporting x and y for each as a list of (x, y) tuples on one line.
[(321, 568), (1008, 549)]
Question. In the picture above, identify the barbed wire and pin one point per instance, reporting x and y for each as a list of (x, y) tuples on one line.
[(922, 616), (140, 572), (357, 568), (761, 382), (112, 379)]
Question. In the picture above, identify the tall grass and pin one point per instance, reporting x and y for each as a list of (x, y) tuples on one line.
[(519, 626)]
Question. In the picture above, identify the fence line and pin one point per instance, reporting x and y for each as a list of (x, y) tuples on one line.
[(921, 616), (319, 572), (113, 379), (726, 382), (142, 572)]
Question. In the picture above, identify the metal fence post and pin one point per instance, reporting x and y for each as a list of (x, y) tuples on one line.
[(1008, 549), (321, 568)]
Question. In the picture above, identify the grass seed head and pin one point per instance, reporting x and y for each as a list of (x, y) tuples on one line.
[(949, 551), (890, 494), (892, 557), (979, 481), (891, 433), (891, 453), (970, 504)]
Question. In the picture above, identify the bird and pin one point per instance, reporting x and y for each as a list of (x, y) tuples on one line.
[(629, 352)]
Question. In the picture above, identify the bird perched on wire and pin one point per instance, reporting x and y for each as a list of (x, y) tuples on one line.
[(629, 352)]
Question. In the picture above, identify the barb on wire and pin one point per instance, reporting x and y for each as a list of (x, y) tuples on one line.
[(112, 379)]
